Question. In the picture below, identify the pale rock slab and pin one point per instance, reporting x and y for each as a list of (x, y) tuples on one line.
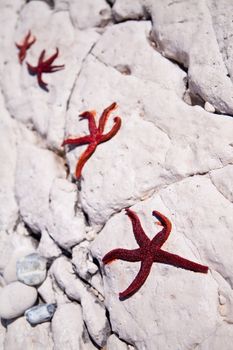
[(176, 143), (21, 335), (25, 100), (187, 205), (115, 343), (84, 266), (94, 313), (221, 339), (8, 154), (15, 298), (50, 206), (88, 13), (68, 328), (223, 179), (9, 272), (51, 293), (47, 247), (67, 226), (116, 48), (186, 32), (127, 9)]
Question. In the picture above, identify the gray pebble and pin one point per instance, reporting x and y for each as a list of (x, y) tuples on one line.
[(31, 269), (40, 313)]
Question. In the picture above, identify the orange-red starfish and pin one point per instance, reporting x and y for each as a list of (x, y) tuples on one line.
[(150, 251), (44, 66), (27, 43), (96, 135)]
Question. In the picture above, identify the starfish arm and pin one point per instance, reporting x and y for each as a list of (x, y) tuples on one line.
[(19, 46), (105, 115), (83, 159), (122, 254), (139, 233), (163, 235), (42, 83), (54, 68), (139, 279), (30, 43), (113, 131), (78, 141), (90, 116), (50, 60), (32, 70), (176, 260), (41, 57)]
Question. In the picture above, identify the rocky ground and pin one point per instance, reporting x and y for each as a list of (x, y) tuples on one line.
[(169, 67)]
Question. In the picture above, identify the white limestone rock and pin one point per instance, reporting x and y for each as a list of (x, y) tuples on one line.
[(223, 178), (94, 313), (209, 108), (188, 32), (176, 143), (116, 48), (67, 225), (115, 343), (187, 203), (8, 154), (15, 298), (29, 103), (86, 13), (68, 328), (51, 293), (51, 205), (47, 247), (128, 9), (21, 335), (9, 272)]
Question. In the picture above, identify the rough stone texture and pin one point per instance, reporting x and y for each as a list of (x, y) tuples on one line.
[(68, 328), (168, 65), (94, 314), (114, 343), (31, 269), (15, 298), (40, 313), (21, 335)]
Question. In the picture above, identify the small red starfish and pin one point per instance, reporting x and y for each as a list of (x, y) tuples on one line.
[(150, 251), (25, 46), (44, 66), (96, 135)]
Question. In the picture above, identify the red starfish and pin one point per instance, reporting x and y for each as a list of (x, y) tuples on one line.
[(96, 135), (25, 46), (44, 66), (150, 251)]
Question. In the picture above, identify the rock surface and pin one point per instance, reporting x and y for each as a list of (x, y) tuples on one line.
[(40, 313), (15, 298), (31, 269), (168, 66)]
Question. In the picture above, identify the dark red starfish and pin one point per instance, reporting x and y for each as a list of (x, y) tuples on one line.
[(27, 43), (44, 66), (150, 251), (96, 135)]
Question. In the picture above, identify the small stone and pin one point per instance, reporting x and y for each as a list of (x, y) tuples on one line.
[(115, 343), (15, 298), (209, 107), (9, 272), (40, 313), (31, 269)]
